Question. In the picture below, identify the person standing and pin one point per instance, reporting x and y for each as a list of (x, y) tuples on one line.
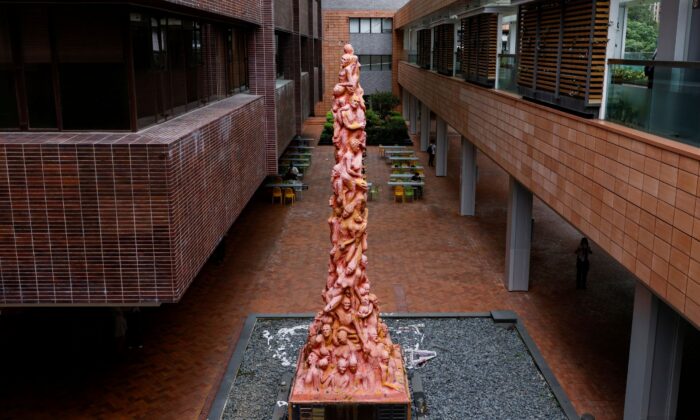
[(431, 154), (582, 265)]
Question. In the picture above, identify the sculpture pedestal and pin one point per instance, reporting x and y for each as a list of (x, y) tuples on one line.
[(382, 403)]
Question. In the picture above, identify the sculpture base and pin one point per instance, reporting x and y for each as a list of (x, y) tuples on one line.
[(349, 411), (379, 404)]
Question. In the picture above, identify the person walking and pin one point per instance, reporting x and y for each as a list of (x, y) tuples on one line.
[(431, 154), (582, 265)]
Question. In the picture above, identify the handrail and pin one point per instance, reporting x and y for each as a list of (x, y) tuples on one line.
[(677, 64)]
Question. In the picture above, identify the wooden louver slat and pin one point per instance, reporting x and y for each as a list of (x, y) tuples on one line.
[(561, 47), (443, 60), (479, 48), (424, 48)]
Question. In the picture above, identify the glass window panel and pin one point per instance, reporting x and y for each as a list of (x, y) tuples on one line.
[(364, 26), (376, 26), (40, 97), (354, 26), (376, 62), (386, 25), (82, 108), (386, 62), (9, 118)]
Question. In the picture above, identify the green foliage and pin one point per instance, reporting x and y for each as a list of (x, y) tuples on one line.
[(391, 129), (642, 29), (382, 102), (372, 118), (628, 75)]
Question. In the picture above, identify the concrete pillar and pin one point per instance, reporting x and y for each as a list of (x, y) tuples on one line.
[(405, 106), (424, 127), (518, 236), (467, 188), (413, 113), (441, 155), (654, 367)]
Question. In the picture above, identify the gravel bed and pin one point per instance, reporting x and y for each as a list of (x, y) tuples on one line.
[(482, 370)]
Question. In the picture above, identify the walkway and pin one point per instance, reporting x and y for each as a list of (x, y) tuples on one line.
[(422, 257)]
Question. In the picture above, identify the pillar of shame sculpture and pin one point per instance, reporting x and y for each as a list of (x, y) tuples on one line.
[(348, 355)]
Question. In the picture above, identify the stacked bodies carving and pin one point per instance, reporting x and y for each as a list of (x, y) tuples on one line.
[(348, 351)]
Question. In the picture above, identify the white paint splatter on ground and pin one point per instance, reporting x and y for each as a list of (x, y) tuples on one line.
[(279, 342), (414, 356)]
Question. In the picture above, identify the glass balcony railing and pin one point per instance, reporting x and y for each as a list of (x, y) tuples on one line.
[(659, 97), (507, 73)]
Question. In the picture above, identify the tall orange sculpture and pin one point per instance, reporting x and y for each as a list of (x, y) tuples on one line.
[(348, 355)]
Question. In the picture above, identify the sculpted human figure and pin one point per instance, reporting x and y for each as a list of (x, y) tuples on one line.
[(345, 350)]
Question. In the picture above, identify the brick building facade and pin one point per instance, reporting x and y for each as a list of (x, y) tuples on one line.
[(337, 15), (127, 209)]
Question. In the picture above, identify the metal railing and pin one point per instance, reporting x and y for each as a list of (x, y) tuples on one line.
[(659, 97)]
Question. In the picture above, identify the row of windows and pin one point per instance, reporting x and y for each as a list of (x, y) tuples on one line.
[(110, 69), (370, 25), (375, 62)]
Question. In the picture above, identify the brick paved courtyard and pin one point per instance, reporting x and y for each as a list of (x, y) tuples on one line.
[(422, 257)]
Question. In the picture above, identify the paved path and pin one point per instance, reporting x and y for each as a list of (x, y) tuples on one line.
[(422, 257)]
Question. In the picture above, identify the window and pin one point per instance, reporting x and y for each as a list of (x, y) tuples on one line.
[(77, 78), (370, 25), (365, 26), (375, 62), (386, 25), (354, 26), (376, 26)]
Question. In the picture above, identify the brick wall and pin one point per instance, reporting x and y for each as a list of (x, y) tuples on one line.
[(261, 62), (284, 15), (247, 10), (636, 195), (90, 218), (336, 32), (417, 9)]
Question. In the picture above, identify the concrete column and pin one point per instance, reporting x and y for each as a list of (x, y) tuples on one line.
[(518, 236), (441, 155), (405, 106), (467, 188), (654, 367), (424, 127), (413, 113)]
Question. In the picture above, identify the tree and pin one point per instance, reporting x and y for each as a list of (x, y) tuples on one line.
[(642, 29)]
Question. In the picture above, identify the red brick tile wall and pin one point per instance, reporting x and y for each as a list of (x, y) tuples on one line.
[(248, 10), (634, 194), (262, 75), (96, 218), (416, 9)]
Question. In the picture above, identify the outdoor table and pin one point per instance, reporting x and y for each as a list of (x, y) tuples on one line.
[(295, 160), (404, 176), (297, 155), (302, 141), (402, 159), (406, 168), (418, 184), (392, 153), (383, 149), (407, 183)]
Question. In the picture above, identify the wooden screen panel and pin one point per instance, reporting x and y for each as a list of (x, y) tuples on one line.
[(480, 48), (424, 48), (562, 46), (444, 48)]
